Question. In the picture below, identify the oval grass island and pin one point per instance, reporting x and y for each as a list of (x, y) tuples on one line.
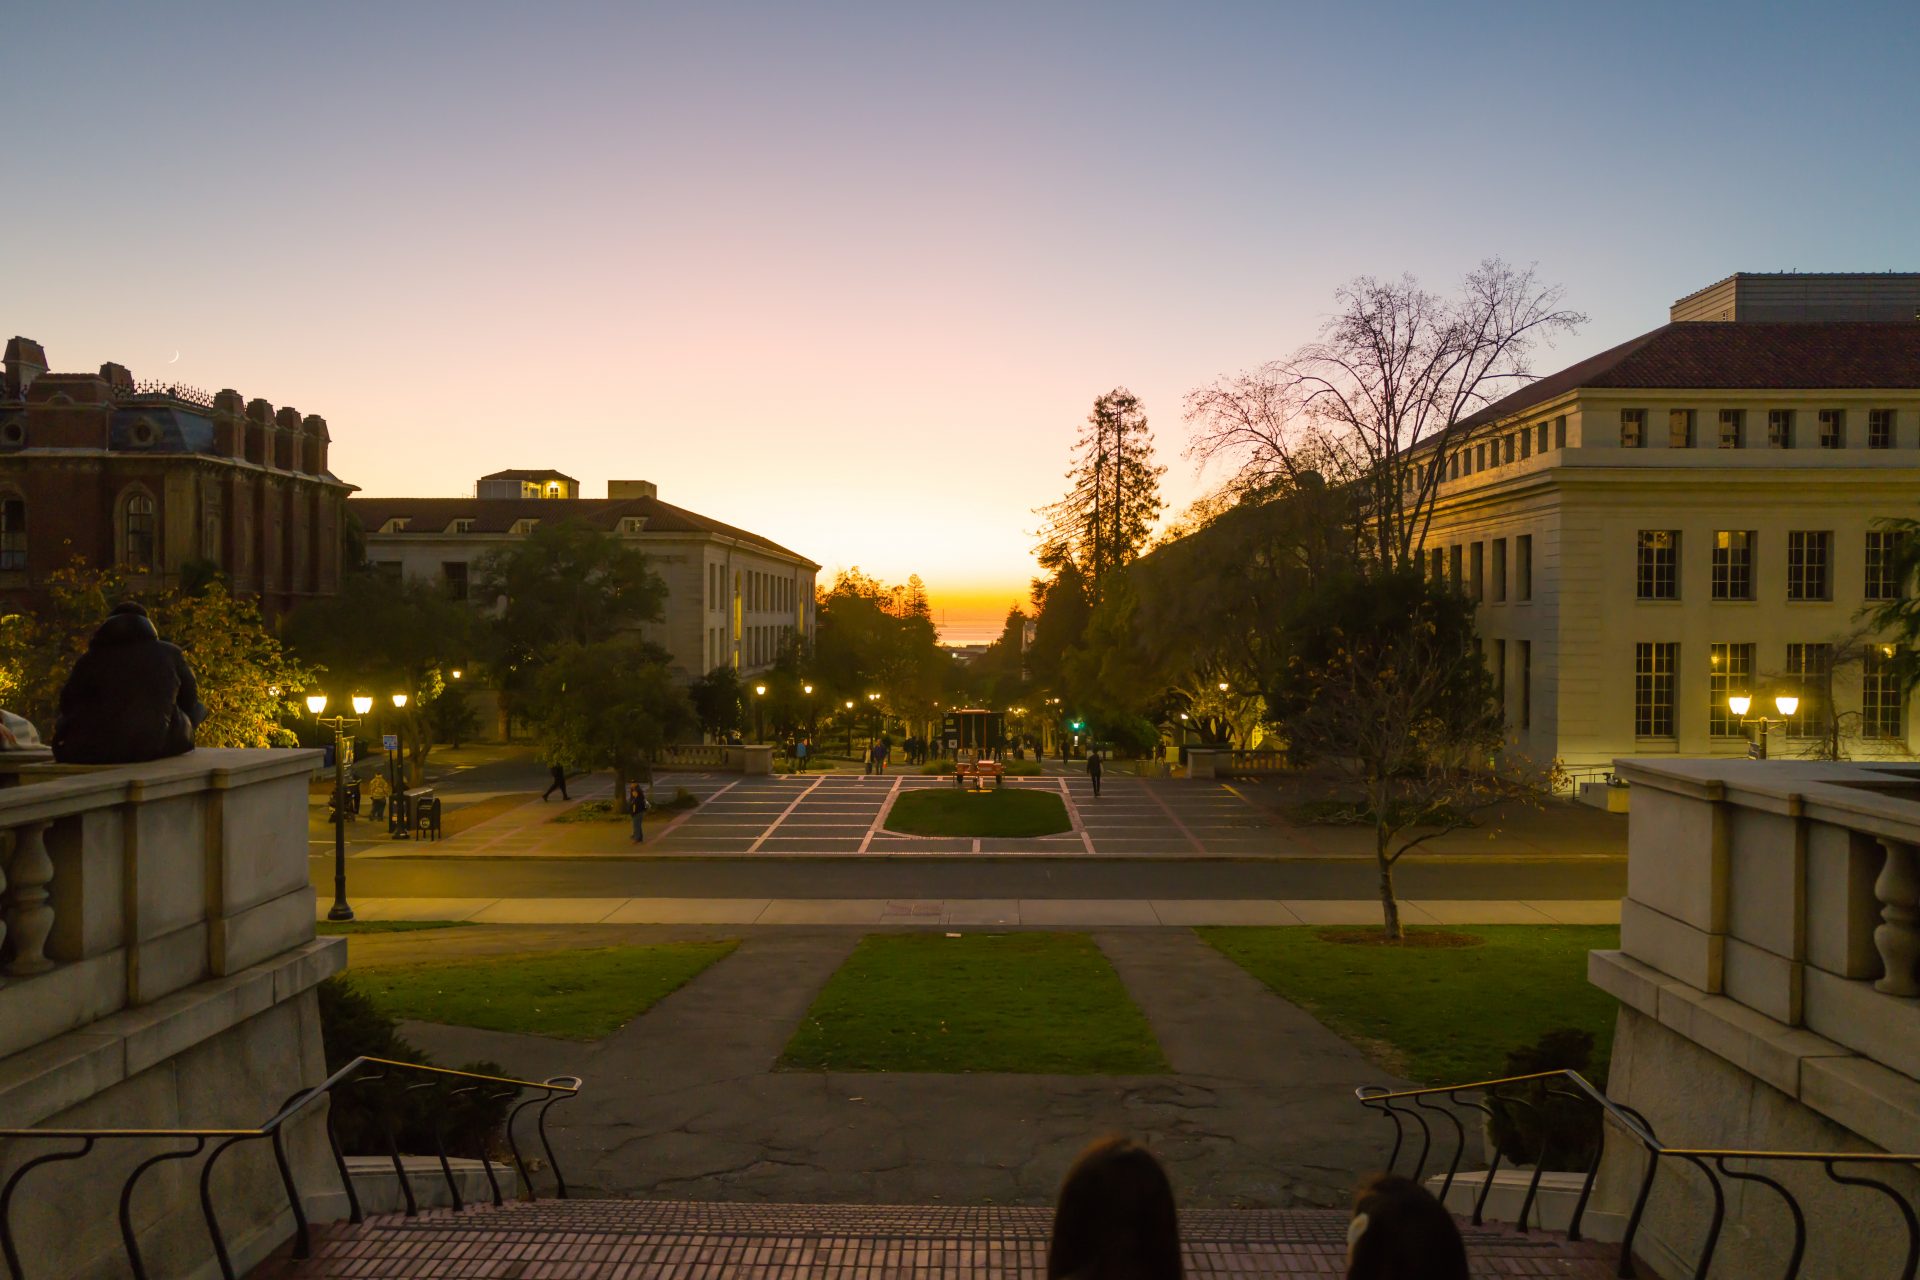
[(1003, 811)]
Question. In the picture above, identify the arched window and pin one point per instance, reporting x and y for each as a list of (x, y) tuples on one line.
[(137, 533), (13, 532)]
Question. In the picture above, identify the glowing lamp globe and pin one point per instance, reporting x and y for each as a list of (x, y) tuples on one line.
[(362, 704), (1739, 703), (399, 700), (316, 703), (1787, 703)]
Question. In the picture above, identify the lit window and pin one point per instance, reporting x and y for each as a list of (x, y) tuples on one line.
[(1731, 672), (1653, 666)]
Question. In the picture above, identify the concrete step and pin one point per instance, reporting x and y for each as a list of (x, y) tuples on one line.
[(643, 1239)]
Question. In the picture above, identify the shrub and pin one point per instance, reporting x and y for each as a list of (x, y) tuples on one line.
[(1527, 1117), (352, 1026), (1022, 768), (937, 767)]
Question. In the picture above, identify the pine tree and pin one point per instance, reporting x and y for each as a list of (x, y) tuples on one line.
[(1113, 496)]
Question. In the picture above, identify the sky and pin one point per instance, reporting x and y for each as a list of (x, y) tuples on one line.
[(851, 275)]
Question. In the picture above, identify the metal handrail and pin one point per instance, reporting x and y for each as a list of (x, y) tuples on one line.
[(553, 1090), (1636, 1127)]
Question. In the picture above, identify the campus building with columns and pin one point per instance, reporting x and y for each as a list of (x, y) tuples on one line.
[(1693, 514)]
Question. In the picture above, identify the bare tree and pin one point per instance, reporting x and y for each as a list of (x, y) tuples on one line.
[(1378, 402)]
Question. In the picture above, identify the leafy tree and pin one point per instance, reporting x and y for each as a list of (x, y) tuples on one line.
[(1384, 399), (381, 637), (246, 679), (610, 705), (869, 638), (451, 717), (718, 702), (1384, 683), (1113, 494)]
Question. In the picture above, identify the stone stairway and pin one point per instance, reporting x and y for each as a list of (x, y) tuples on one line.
[(687, 1240)]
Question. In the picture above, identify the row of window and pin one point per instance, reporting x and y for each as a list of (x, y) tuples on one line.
[(139, 542), (1508, 446), (760, 592), (758, 645), (1809, 564), (1783, 429), (1808, 671), (1464, 568)]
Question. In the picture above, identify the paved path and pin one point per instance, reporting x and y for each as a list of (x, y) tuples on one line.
[(685, 1101), (1077, 913), (644, 1240)]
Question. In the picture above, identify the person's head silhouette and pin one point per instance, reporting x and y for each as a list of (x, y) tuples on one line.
[(1116, 1218)]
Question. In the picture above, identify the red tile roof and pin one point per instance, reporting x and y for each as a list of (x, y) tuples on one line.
[(498, 515)]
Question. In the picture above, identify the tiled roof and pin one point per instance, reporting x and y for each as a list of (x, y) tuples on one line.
[(531, 475), (1744, 355), (499, 515)]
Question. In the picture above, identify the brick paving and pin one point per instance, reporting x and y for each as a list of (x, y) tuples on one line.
[(691, 1240)]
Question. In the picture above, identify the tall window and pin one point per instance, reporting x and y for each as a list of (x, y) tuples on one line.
[(1480, 456), (1807, 667), (1477, 584), (1883, 553), (1506, 448), (1733, 429), (1541, 443), (1653, 666), (1733, 564), (13, 533), (1523, 567), (1732, 672), (137, 533), (1780, 428), (1526, 443), (1680, 428), (1879, 428), (1437, 558), (1453, 466), (455, 574), (1499, 570), (1659, 565), (1833, 428), (1881, 698), (1526, 684), (1633, 428), (1500, 676), (1809, 554), (1560, 432), (1453, 567)]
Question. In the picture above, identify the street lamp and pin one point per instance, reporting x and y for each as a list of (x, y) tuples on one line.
[(759, 729), (393, 770), (1739, 703), (317, 703)]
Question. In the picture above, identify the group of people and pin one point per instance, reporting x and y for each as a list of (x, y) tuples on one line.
[(1116, 1220)]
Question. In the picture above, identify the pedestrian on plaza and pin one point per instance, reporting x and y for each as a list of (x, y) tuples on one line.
[(637, 806), (1116, 1218), (378, 791), (1400, 1232), (1093, 771), (886, 749), (559, 772), (801, 750)]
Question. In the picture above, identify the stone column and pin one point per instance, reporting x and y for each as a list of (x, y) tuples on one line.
[(1898, 938), (28, 914)]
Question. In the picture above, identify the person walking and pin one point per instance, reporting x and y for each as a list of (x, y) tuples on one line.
[(801, 750), (559, 772), (1093, 771), (637, 806)]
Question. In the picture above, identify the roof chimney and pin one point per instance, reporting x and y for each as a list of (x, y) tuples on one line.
[(632, 489), (26, 360)]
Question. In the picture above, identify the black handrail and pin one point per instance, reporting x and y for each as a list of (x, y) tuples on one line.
[(550, 1091), (1636, 1127)]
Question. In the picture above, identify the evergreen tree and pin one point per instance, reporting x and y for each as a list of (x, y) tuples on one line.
[(1113, 496)]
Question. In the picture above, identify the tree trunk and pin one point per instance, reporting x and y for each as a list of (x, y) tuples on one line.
[(621, 773), (1380, 797)]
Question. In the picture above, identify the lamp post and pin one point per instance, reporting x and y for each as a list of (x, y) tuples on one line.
[(759, 729), (1785, 703), (873, 718), (393, 768), (317, 703), (811, 717), (849, 728)]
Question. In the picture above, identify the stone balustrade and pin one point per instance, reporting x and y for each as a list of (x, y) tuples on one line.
[(1769, 974)]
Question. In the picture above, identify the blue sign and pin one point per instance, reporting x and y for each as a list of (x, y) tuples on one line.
[(391, 741)]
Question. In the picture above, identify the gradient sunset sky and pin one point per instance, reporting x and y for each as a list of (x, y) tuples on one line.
[(851, 275)]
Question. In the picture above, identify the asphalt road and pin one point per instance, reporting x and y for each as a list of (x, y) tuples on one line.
[(961, 877)]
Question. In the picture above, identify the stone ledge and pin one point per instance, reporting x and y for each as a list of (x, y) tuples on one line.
[(55, 1076), (1871, 1023)]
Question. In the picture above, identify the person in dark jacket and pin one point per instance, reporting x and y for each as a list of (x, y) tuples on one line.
[(1093, 771), (130, 697), (559, 775)]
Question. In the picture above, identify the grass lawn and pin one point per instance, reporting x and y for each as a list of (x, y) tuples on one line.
[(325, 927), (1027, 1002), (1001, 811), (1432, 1014), (572, 995)]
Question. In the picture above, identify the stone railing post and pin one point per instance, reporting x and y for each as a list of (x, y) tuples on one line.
[(1898, 938)]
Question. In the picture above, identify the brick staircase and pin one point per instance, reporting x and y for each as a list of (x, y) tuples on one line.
[(642, 1239)]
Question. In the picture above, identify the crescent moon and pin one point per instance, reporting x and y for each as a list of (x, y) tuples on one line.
[(176, 356)]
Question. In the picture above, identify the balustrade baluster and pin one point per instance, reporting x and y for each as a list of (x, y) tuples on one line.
[(3, 901), (29, 916), (1898, 939)]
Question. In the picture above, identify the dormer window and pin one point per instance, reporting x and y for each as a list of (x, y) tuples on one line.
[(525, 526), (633, 524), (398, 524), (462, 525)]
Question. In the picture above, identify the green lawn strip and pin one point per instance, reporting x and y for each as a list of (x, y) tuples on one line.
[(326, 927), (1022, 1002), (998, 811), (1438, 1015), (572, 995)]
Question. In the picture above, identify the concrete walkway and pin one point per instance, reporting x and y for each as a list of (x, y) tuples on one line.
[(685, 1101), (1073, 913)]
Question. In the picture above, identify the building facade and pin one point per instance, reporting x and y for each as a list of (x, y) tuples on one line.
[(733, 597), (159, 481), (1691, 515)]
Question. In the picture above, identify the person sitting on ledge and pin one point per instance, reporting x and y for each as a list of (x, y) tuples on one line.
[(130, 697), (1400, 1232), (1116, 1218)]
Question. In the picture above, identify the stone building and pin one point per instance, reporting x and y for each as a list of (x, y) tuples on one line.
[(161, 480), (733, 597), (1693, 514)]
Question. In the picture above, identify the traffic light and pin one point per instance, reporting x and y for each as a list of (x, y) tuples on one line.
[(1076, 725)]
